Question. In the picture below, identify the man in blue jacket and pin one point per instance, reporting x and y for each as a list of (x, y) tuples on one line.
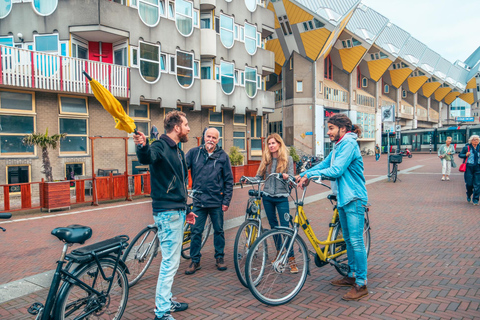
[(212, 175), (345, 164), (169, 174)]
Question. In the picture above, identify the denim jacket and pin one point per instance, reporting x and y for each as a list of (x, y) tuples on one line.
[(346, 167), (473, 153)]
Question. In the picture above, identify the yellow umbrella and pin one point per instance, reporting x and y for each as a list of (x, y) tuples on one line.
[(112, 105)]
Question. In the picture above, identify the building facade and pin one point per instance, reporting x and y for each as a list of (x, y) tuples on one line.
[(204, 57)]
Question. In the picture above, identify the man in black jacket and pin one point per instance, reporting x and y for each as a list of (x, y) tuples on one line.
[(212, 175), (169, 174)]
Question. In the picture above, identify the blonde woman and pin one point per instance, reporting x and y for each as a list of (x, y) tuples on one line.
[(445, 153), (275, 159)]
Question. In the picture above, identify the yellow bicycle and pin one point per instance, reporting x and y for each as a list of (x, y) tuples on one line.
[(268, 265)]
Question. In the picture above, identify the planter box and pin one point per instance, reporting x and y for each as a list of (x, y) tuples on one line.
[(55, 195), (238, 172)]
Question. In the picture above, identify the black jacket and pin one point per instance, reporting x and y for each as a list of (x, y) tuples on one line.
[(168, 172), (211, 175)]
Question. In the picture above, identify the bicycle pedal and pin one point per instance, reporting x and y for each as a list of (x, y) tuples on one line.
[(35, 308)]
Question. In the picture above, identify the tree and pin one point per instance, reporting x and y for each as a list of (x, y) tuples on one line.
[(45, 142), (236, 158)]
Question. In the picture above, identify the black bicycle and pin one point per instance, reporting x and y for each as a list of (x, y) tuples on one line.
[(394, 159), (5, 215), (97, 285)]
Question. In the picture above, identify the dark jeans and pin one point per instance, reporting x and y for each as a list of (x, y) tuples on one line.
[(472, 181), (281, 206), (216, 215)]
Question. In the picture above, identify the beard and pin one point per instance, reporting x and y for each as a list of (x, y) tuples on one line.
[(336, 137), (183, 137)]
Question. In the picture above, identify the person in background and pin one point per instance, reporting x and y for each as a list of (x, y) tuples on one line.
[(275, 159), (471, 154), (345, 164), (169, 174), (377, 152), (212, 176), (445, 153)]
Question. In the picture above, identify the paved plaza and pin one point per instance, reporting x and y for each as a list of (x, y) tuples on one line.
[(423, 264)]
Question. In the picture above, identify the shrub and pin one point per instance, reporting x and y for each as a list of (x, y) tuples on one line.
[(236, 158), (294, 154)]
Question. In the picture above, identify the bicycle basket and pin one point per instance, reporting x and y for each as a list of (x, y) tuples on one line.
[(395, 158)]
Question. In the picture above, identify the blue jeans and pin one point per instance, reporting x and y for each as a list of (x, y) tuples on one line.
[(352, 218), (216, 215), (170, 234), (281, 206), (377, 156)]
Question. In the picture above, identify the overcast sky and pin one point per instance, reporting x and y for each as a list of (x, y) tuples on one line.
[(451, 28)]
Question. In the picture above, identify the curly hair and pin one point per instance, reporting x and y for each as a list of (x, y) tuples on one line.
[(342, 121), (172, 119)]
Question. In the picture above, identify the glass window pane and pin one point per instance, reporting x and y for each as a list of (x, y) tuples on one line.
[(184, 25), (16, 124), (82, 53), (18, 174), (16, 100), (251, 5), (46, 43), (149, 70), (150, 14), (184, 7), (226, 31), (227, 85), (239, 118), (5, 41), (256, 144), (45, 7), (140, 111), (239, 143), (184, 77), (250, 74), (216, 117), (72, 170), (73, 144), (184, 59), (163, 62), (239, 134), (73, 126), (206, 72), (74, 105), (227, 80), (259, 127), (149, 52), (250, 45), (14, 144), (5, 8)]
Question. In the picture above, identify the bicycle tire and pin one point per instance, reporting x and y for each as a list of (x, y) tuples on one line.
[(268, 288), (187, 237), (90, 274), (138, 260), (247, 232), (395, 173), (336, 247)]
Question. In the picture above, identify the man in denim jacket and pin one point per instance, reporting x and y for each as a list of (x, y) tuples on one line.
[(168, 171), (345, 164)]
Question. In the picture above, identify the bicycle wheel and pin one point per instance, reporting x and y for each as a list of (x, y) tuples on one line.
[(394, 173), (140, 253), (342, 260), (187, 237), (74, 302), (269, 276), (246, 235)]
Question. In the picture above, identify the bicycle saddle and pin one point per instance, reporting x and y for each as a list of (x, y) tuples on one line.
[(5, 215), (73, 234)]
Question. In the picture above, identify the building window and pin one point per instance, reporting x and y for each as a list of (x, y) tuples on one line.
[(141, 116), (386, 88), (184, 17), (250, 38), (133, 57), (184, 69), (163, 62), (206, 69), (206, 20), (256, 127), (5, 8), (73, 105), (239, 139), (347, 43), (18, 174), (404, 93), (275, 127), (142, 126), (149, 62), (227, 77), (16, 102), (215, 117), (251, 5), (285, 24), (46, 43), (299, 86), (251, 81), (120, 55), (79, 50), (328, 68), (226, 31), (149, 11), (74, 169), (44, 7), (77, 135), (359, 78), (6, 41), (239, 119), (364, 82)]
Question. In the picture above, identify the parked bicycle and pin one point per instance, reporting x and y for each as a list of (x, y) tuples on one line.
[(267, 269), (394, 159), (144, 246), (307, 162), (367, 152), (252, 228), (5, 215), (94, 283)]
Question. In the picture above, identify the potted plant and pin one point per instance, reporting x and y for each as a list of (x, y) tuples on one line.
[(236, 160), (295, 157), (52, 194)]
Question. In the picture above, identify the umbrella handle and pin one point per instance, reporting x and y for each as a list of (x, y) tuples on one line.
[(135, 131), (87, 75)]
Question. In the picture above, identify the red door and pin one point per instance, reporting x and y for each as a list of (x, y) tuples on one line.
[(100, 51)]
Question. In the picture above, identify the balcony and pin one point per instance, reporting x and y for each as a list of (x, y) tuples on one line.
[(208, 47), (406, 110), (421, 113), (208, 92), (364, 100), (207, 4), (433, 115), (38, 70)]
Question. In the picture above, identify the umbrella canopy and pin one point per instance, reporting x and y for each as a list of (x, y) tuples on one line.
[(112, 105), (154, 132)]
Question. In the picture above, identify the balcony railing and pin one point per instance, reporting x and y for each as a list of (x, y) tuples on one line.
[(39, 70), (433, 115), (335, 94), (406, 109), (365, 100), (421, 112)]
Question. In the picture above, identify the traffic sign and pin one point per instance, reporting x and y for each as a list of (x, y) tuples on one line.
[(464, 119)]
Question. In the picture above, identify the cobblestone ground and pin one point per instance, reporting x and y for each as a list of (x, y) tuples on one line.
[(424, 260)]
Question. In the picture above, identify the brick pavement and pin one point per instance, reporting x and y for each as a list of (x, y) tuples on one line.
[(423, 262)]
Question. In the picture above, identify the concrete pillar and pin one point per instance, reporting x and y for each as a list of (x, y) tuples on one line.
[(351, 87), (398, 100), (378, 114), (440, 114), (428, 109), (415, 117)]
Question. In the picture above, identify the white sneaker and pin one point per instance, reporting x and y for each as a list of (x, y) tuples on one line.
[(448, 179), (443, 178)]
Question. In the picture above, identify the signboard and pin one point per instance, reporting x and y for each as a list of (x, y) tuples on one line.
[(388, 113), (309, 133), (398, 128), (389, 127), (464, 119)]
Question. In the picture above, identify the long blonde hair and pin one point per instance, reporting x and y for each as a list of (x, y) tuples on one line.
[(282, 158)]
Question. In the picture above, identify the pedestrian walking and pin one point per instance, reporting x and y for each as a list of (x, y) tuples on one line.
[(212, 176), (377, 153), (471, 155), (445, 153), (345, 164), (168, 172), (275, 159)]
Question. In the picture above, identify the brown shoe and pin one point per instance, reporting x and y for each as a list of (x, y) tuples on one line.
[(194, 266), (293, 265), (275, 258), (356, 293), (344, 282), (221, 264)]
